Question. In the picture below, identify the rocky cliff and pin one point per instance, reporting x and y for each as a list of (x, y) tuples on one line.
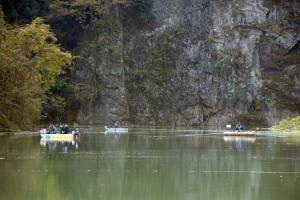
[(191, 62)]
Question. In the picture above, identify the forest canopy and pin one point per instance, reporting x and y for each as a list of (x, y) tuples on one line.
[(30, 62)]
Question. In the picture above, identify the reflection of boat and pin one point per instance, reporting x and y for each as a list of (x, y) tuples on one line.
[(240, 133), (65, 146), (116, 130)]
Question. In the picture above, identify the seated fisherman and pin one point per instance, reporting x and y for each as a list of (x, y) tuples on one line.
[(117, 124), (239, 126), (66, 129), (62, 129), (52, 129)]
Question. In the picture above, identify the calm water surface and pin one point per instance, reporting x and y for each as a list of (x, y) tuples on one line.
[(150, 164)]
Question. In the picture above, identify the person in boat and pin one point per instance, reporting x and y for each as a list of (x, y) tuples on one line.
[(52, 129), (76, 132), (117, 124), (61, 127), (66, 129), (239, 126)]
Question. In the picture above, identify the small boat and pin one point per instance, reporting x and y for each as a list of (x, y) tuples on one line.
[(57, 137), (239, 139), (116, 130), (240, 133)]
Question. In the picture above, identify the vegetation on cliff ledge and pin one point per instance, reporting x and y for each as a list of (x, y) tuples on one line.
[(292, 124)]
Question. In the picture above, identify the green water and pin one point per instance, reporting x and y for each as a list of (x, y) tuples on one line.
[(150, 164)]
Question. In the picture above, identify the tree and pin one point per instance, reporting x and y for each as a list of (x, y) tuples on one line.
[(30, 61)]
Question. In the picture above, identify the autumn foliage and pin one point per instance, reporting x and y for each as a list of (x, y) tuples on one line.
[(30, 61)]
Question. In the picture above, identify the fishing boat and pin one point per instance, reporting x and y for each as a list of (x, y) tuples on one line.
[(239, 139), (240, 133), (116, 130), (58, 136)]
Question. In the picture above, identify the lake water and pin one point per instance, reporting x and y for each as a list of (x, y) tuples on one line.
[(150, 164)]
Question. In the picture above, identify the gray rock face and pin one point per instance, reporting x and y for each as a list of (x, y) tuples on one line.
[(201, 62)]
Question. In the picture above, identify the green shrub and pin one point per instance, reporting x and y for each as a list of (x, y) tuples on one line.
[(292, 124)]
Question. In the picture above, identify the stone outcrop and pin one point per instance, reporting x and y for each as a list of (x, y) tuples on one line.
[(193, 62)]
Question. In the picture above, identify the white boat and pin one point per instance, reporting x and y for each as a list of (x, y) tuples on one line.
[(240, 133), (116, 130), (239, 139), (57, 137)]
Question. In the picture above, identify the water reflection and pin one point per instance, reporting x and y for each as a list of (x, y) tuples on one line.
[(239, 139), (150, 165), (60, 146), (239, 143)]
